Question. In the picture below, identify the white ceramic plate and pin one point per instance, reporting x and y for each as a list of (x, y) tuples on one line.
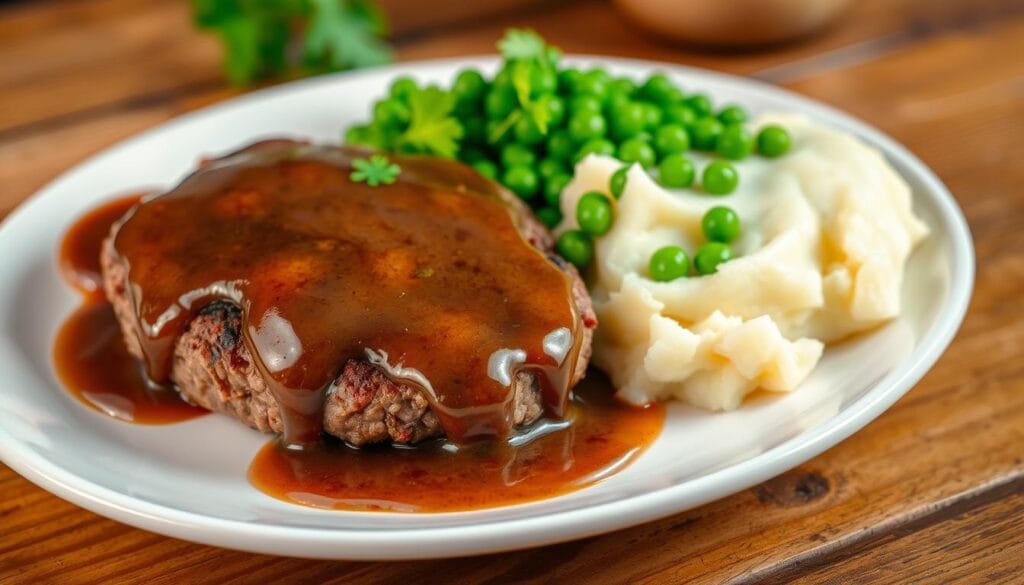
[(188, 480)]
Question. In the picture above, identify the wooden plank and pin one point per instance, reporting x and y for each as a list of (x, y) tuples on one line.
[(979, 545), (119, 52), (97, 54), (956, 437)]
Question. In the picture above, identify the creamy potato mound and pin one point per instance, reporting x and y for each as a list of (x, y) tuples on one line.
[(827, 229)]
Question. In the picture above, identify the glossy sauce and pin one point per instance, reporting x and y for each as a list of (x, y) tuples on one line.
[(90, 356), (598, 437), (428, 278)]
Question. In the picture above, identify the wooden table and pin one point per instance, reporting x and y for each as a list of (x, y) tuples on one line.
[(932, 491)]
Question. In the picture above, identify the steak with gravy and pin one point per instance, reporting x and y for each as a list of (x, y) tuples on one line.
[(198, 276)]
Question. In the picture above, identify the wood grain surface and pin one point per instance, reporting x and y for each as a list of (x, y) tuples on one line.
[(932, 491)]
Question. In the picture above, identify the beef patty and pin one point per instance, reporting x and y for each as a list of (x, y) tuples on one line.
[(212, 367)]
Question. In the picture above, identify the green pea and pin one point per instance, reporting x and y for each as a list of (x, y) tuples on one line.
[(627, 120), (585, 103), (622, 86), (617, 183), (735, 143), (402, 88), (720, 224), (553, 187), (556, 109), (549, 216), (773, 141), (474, 129), (660, 90), (576, 247), (704, 133), (357, 135), (486, 168), (594, 213), (527, 132), (382, 138), (560, 146), (390, 113), (593, 82), (710, 255), (586, 125), (516, 155), (669, 263), (550, 167), (491, 129), (652, 116), (499, 102), (680, 114), (595, 146), (620, 90), (503, 80), (700, 104), (671, 139), (567, 80), (522, 180), (467, 110), (645, 136), (638, 151), (599, 74), (470, 154), (732, 114), (406, 148), (613, 100), (720, 178), (469, 86), (675, 170), (543, 81)]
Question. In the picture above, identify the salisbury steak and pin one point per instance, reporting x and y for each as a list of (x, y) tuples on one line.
[(212, 366)]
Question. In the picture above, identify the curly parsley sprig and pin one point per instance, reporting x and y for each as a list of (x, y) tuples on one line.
[(420, 122), (376, 170), (529, 60)]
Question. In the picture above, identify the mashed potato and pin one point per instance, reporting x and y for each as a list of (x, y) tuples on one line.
[(827, 229)]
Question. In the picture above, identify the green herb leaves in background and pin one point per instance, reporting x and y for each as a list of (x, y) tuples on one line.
[(267, 38)]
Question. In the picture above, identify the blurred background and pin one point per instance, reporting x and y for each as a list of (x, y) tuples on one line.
[(86, 73)]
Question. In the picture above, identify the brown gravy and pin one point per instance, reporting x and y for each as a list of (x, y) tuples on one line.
[(428, 278), (598, 437), (90, 356)]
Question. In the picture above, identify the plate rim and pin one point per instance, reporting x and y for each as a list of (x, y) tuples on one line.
[(543, 529)]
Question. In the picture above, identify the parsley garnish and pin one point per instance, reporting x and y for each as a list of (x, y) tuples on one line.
[(521, 44), (525, 51), (432, 128), (258, 35), (378, 169)]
